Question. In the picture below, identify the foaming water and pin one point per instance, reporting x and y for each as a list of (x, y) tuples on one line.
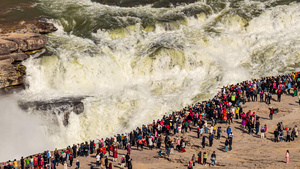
[(21, 133), (137, 72)]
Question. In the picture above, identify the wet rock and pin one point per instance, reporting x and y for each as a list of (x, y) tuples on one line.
[(66, 118), (56, 106), (8, 74), (15, 48), (17, 57), (13, 89), (27, 41), (44, 27), (7, 46), (59, 106)]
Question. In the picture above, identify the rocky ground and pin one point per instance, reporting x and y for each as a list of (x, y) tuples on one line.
[(249, 151)]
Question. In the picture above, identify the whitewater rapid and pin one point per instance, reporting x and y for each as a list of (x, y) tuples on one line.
[(145, 62)]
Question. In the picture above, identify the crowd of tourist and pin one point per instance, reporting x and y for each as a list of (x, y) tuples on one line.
[(225, 106)]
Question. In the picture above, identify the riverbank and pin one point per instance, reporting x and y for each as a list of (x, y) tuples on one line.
[(249, 151)]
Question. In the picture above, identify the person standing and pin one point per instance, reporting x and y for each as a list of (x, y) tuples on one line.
[(56, 155), (226, 145), (15, 164), (74, 148), (288, 136), (115, 155), (204, 158), (228, 131), (203, 141), (199, 157), (27, 161), (261, 94), (210, 138), (287, 156), (219, 131), (271, 113), (295, 90), (129, 164), (262, 132), (98, 160), (123, 162), (280, 135), (257, 124), (150, 142), (213, 158), (279, 93), (106, 162), (193, 159), (22, 162), (35, 162), (190, 165), (182, 145), (110, 165), (198, 132), (159, 140), (127, 158), (230, 143)]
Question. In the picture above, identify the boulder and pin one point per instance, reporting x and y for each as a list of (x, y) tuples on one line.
[(19, 57), (27, 41), (36, 42), (7, 46), (44, 27)]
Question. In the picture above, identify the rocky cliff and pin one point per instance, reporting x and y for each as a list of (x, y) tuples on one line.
[(16, 47)]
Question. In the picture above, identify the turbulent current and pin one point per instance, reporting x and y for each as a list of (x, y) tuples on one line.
[(134, 64)]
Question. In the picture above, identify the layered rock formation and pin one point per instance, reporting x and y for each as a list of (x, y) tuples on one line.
[(15, 48)]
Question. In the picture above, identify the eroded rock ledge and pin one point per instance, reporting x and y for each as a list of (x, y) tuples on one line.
[(16, 47)]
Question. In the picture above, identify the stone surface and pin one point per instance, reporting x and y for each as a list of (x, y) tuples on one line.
[(8, 74), (19, 41), (15, 48), (60, 106), (15, 56), (7, 46), (44, 27), (26, 41)]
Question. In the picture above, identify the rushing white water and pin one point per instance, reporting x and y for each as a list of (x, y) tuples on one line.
[(134, 74), (21, 133)]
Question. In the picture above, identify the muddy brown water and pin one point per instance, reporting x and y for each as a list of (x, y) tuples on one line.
[(15, 13)]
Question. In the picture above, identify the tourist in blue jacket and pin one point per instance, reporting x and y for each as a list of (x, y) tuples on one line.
[(228, 131)]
